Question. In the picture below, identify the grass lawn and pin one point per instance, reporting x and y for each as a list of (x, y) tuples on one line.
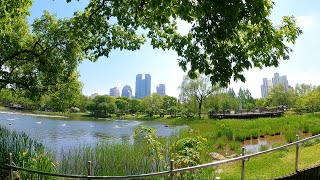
[(274, 164)]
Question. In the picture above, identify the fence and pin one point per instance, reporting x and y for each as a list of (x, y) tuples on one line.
[(172, 171)]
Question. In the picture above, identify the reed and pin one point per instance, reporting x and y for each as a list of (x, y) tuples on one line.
[(26, 152)]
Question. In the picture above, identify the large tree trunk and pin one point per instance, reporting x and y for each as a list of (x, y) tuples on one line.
[(199, 110)]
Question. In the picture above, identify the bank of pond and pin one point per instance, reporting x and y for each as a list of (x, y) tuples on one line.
[(199, 141)]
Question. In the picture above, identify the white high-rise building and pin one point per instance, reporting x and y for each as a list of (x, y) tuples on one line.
[(268, 84), (114, 92), (265, 87), (277, 79)]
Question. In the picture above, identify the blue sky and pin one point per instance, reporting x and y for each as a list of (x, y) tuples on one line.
[(122, 66)]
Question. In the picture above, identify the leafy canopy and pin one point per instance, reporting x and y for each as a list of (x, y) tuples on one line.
[(226, 38)]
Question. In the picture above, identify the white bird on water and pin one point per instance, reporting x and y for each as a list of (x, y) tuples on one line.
[(64, 124), (40, 122)]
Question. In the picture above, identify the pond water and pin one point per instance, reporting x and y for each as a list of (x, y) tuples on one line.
[(254, 145), (63, 133)]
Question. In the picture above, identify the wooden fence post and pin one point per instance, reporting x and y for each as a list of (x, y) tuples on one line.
[(171, 169), (243, 161), (297, 154), (10, 169), (90, 173)]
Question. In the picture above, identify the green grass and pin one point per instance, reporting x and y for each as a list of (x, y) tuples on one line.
[(273, 164)]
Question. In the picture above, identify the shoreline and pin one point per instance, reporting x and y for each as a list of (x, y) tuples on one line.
[(30, 114)]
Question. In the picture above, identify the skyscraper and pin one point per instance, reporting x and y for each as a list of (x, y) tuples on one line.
[(143, 86), (127, 91), (268, 84), (280, 80), (265, 87), (161, 89), (114, 92)]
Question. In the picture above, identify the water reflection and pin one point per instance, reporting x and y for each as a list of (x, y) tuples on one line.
[(256, 145)]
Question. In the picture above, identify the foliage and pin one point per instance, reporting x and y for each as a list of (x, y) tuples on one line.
[(279, 96), (246, 99), (156, 149), (198, 89), (39, 61), (302, 89), (152, 104), (26, 152), (225, 38), (309, 102), (188, 151), (69, 95), (102, 105)]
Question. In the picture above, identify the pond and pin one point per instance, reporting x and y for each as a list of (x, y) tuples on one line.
[(63, 133), (256, 145)]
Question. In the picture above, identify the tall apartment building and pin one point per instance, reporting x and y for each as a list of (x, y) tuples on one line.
[(143, 86), (265, 87), (127, 91), (277, 79), (268, 84), (114, 92), (161, 89)]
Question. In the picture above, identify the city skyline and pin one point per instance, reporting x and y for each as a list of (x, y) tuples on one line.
[(99, 77)]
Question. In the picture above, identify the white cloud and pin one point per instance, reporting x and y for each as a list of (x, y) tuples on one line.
[(306, 22)]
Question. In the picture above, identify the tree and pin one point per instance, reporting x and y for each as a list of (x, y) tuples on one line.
[(302, 89), (199, 89), (134, 105), (279, 96), (69, 95), (246, 99), (309, 102), (122, 104), (225, 39), (152, 104), (41, 60), (102, 105), (169, 104)]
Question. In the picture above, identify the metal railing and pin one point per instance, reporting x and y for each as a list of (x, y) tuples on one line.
[(172, 171)]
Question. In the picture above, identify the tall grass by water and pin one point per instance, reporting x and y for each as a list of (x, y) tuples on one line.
[(110, 159), (221, 134), (26, 152)]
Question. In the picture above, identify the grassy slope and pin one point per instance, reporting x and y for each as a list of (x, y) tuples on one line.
[(271, 165)]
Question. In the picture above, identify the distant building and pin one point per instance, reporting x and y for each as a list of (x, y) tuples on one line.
[(114, 92), (161, 89), (280, 80), (126, 91), (268, 84), (265, 87), (143, 86)]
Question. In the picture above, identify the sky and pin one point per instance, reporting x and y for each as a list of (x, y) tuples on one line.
[(121, 67)]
